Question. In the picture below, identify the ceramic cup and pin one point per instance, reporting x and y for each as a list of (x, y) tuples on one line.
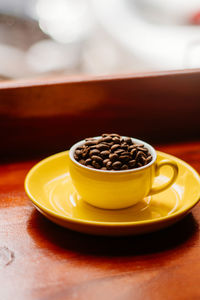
[(118, 189)]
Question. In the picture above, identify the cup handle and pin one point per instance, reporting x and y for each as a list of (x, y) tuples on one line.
[(164, 162)]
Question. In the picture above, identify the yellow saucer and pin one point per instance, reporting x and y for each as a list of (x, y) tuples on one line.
[(48, 185)]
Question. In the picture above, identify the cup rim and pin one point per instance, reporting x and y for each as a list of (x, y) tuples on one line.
[(148, 146)]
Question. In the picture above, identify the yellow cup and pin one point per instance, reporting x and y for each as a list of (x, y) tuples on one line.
[(118, 189)]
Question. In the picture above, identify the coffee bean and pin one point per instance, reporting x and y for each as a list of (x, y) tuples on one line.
[(149, 159), (139, 165), (132, 147), (128, 141), (109, 165), (116, 140), (115, 147), (96, 164), (138, 155), (94, 152), (85, 153), (82, 161), (139, 145), (145, 163), (124, 167), (97, 159), (107, 139), (110, 144), (90, 166), (133, 152), (143, 160), (106, 161), (124, 158), (124, 146), (144, 154), (88, 161), (116, 165), (131, 163), (105, 153), (78, 153), (145, 150), (113, 157), (93, 147), (91, 143), (125, 153), (105, 143), (102, 147), (103, 168), (119, 151), (76, 157)]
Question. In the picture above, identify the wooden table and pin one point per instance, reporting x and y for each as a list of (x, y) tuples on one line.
[(40, 260)]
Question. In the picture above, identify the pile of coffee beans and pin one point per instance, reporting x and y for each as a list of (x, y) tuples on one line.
[(112, 152)]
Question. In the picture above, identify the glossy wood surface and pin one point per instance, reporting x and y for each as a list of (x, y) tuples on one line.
[(40, 260)]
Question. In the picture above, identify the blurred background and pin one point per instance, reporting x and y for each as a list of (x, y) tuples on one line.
[(44, 38)]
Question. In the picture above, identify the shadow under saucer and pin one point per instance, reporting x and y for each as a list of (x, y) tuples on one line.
[(58, 239)]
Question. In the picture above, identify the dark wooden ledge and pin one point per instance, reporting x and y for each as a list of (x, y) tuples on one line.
[(41, 115)]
